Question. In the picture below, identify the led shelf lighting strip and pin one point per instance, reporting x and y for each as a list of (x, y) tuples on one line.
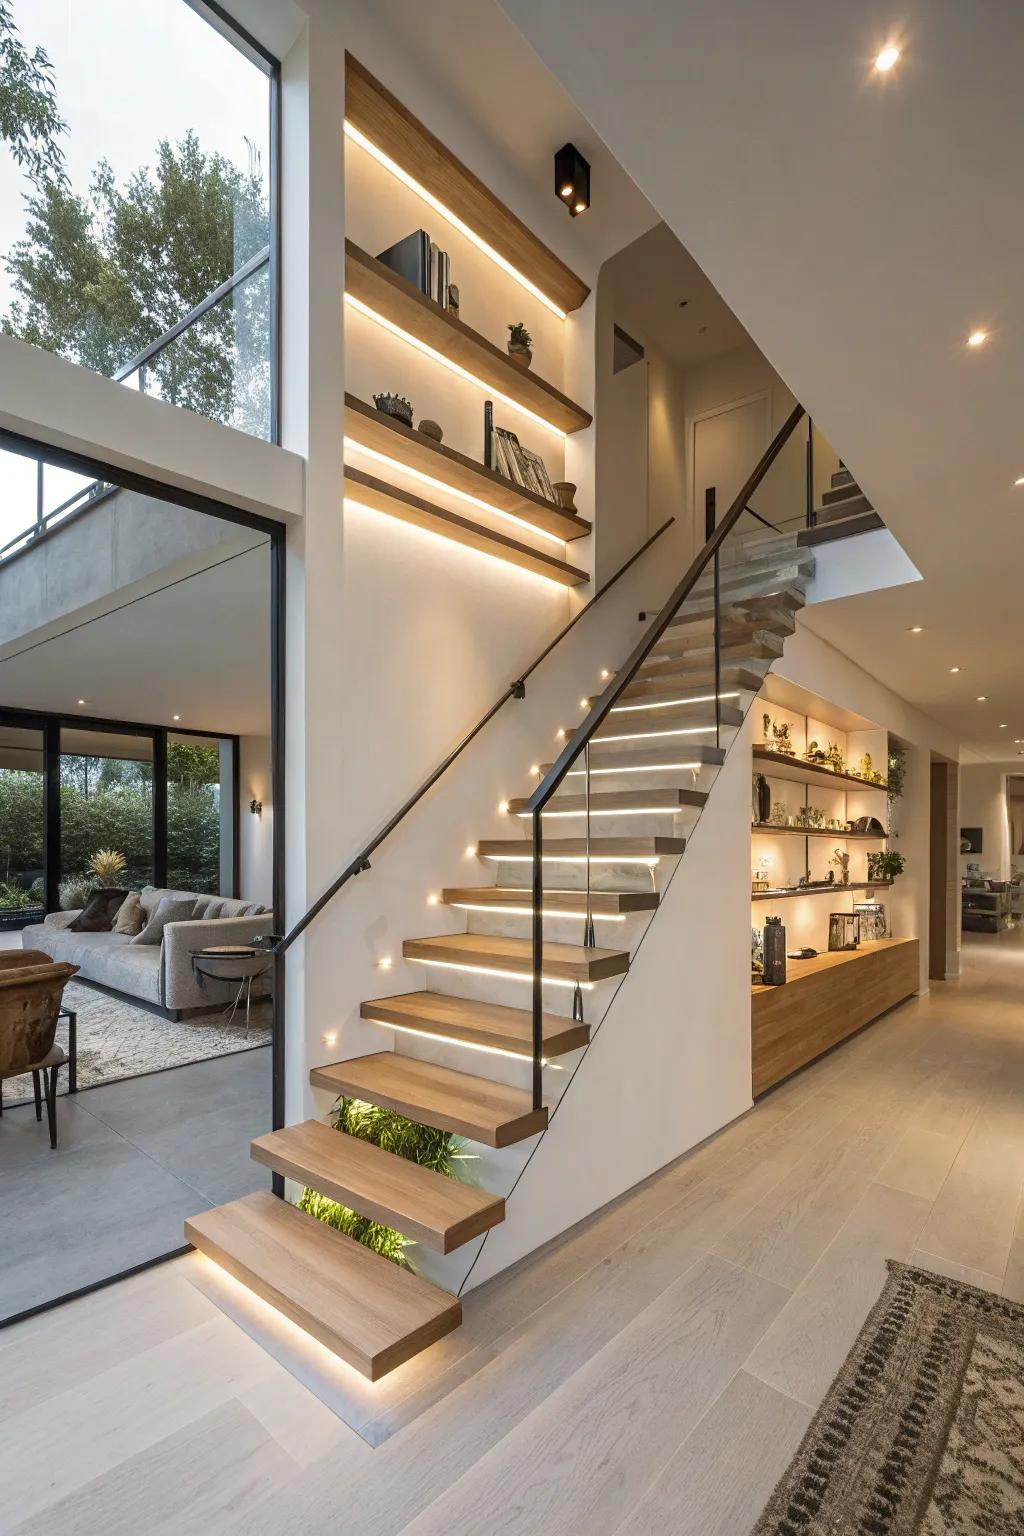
[(438, 357), (358, 137)]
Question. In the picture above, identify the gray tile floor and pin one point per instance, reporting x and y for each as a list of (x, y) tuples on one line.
[(134, 1159)]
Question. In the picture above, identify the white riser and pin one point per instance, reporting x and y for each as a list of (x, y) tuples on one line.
[(510, 990)]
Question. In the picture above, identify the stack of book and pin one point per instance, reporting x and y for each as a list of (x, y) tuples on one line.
[(517, 463), (422, 263)]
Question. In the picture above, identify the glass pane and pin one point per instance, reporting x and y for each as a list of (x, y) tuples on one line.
[(123, 209), (200, 815), (220, 366), (106, 808), (21, 826), (17, 496)]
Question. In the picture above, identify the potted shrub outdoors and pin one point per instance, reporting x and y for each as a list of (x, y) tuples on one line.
[(520, 344)]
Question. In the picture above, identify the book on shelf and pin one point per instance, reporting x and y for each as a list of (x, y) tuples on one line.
[(421, 262), (521, 465)]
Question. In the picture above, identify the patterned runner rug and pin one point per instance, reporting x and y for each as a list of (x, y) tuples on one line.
[(922, 1431)]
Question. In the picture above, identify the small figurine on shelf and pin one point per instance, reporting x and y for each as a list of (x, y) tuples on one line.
[(868, 771), (841, 860), (780, 815), (810, 816), (834, 758), (815, 754), (769, 740), (782, 739)]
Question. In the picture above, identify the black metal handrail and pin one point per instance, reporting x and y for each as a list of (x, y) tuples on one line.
[(515, 690), (581, 737)]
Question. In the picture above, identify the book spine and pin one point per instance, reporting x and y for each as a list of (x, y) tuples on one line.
[(488, 434)]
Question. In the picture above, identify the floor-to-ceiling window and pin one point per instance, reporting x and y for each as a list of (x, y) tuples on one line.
[(22, 825), (106, 811), (137, 144)]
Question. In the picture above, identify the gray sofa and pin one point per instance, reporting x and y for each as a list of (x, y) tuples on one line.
[(157, 974)]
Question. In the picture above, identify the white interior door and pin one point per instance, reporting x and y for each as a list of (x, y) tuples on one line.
[(726, 446)]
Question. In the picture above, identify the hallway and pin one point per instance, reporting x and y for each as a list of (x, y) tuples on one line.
[(652, 1372)]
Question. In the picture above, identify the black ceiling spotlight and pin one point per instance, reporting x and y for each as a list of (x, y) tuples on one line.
[(572, 179)]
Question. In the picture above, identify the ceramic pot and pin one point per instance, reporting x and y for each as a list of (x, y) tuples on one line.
[(396, 406), (565, 492), (520, 354), (431, 429)]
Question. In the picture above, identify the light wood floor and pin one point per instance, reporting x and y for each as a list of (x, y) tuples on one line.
[(651, 1373)]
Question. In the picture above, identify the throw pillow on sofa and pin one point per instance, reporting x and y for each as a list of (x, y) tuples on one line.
[(98, 913), (130, 917), (170, 910)]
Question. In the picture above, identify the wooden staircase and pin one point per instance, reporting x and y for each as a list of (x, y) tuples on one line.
[(845, 508), (653, 764)]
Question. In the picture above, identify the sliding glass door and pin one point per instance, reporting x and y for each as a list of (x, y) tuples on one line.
[(201, 813), (22, 826), (106, 809)]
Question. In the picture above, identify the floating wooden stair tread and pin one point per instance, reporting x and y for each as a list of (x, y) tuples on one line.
[(473, 1023), (410, 508), (788, 600), (562, 962), (776, 765), (370, 428), (666, 722), (607, 849), (734, 626), (431, 1095), (439, 1212), (848, 491), (701, 649), (617, 802), (571, 903), (837, 512), (360, 1306), (613, 758), (386, 123), (789, 892), (700, 668), (745, 679), (383, 291)]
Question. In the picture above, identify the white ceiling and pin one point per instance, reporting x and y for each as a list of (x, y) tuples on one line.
[(860, 226), (652, 278), (198, 648)]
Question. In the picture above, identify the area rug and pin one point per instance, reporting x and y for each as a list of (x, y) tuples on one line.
[(118, 1039), (922, 1431)]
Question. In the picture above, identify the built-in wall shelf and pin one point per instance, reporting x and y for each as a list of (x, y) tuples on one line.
[(776, 765), (369, 428), (371, 283), (843, 837), (382, 120), (409, 508), (837, 889)]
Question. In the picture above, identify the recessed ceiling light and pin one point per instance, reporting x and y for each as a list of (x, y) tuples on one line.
[(1002, 725), (915, 629), (954, 669), (175, 717), (977, 338), (982, 697), (81, 701), (887, 58), (1019, 480)]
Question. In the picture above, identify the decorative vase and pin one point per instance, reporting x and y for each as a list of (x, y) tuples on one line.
[(774, 946), (520, 354), (565, 493), (762, 798), (431, 428), (396, 406)]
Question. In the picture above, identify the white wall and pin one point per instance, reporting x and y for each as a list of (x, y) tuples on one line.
[(983, 804), (255, 832)]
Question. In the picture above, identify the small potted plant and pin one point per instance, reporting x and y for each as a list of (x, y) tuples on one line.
[(834, 758), (520, 344), (841, 860), (883, 867)]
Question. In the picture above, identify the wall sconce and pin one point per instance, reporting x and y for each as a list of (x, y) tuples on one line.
[(256, 807), (572, 179)]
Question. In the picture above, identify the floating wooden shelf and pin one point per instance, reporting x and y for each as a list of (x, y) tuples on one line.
[(461, 530), (397, 300), (798, 771), (789, 892), (844, 837), (382, 119), (370, 428)]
